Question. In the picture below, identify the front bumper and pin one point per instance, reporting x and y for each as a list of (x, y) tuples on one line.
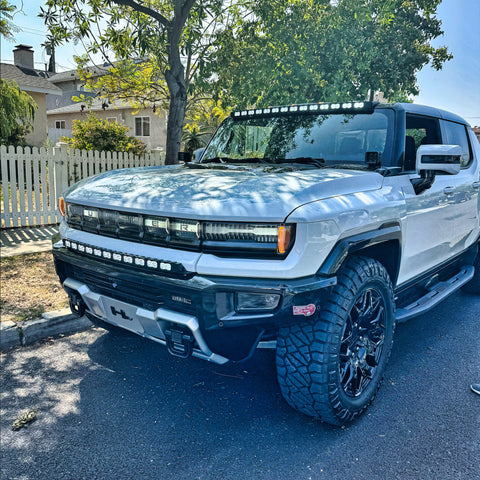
[(192, 315)]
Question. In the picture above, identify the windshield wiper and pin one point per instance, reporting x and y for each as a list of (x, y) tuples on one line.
[(349, 166), (318, 162), (216, 160), (234, 160)]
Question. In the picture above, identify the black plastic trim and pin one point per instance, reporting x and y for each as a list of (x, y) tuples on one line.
[(357, 242)]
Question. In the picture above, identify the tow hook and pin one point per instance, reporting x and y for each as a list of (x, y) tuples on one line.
[(179, 342), (77, 305)]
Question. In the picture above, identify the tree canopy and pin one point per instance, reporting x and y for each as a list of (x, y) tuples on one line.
[(17, 111), (7, 27), (303, 50)]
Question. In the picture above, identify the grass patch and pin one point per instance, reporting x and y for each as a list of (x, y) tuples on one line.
[(29, 287)]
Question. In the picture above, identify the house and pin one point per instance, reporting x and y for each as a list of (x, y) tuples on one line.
[(148, 127), (34, 83), (71, 85)]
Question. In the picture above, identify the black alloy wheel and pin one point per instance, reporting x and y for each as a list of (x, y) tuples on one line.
[(362, 342)]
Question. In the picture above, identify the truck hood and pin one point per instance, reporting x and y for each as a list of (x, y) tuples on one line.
[(255, 193)]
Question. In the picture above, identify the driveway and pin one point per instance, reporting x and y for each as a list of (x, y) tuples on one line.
[(116, 406)]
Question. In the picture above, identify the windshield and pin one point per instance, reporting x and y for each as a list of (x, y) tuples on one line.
[(339, 139)]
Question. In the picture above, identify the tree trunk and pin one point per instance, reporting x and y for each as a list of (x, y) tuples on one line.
[(176, 115), (175, 77)]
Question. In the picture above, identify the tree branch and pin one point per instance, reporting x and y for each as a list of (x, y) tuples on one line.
[(143, 9), (186, 7)]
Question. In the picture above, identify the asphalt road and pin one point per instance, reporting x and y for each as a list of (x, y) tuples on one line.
[(115, 406)]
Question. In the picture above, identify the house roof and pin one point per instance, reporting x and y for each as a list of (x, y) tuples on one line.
[(28, 79), (96, 106), (95, 70), (69, 75)]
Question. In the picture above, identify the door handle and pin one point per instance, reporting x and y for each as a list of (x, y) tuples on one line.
[(476, 185), (448, 190)]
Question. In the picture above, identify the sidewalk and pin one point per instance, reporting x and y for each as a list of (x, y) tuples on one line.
[(18, 241)]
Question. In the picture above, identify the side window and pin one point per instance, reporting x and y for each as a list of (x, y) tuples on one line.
[(457, 135), (419, 131)]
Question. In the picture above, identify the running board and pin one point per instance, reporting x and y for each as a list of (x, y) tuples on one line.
[(436, 294)]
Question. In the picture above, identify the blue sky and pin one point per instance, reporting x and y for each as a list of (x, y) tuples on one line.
[(456, 87)]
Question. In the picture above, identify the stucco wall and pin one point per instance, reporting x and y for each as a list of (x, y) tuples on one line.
[(158, 130), (39, 133)]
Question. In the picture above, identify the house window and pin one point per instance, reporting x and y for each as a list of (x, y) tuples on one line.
[(60, 124), (111, 119), (142, 126)]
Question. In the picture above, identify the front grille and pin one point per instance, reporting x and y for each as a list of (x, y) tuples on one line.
[(136, 291), (230, 239)]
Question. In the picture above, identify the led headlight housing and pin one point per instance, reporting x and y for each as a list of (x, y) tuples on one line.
[(249, 238)]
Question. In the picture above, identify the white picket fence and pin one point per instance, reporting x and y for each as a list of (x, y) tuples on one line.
[(32, 179)]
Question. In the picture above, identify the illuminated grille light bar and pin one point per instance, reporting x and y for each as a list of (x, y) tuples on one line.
[(118, 257), (309, 107)]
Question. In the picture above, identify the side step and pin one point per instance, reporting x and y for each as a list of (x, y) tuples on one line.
[(436, 294)]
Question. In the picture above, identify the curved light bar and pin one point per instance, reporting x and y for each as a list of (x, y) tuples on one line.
[(345, 107)]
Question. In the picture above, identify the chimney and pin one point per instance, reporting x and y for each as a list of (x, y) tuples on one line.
[(23, 56)]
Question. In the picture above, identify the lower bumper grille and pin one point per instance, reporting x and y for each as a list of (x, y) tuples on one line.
[(138, 293)]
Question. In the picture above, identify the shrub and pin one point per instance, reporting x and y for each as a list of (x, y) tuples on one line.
[(96, 134)]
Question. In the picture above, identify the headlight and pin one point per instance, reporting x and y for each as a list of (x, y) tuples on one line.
[(240, 231), (247, 238), (245, 301)]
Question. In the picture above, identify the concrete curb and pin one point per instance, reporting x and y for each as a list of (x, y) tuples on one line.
[(51, 323)]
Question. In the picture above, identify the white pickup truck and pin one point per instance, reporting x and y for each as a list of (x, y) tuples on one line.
[(309, 228)]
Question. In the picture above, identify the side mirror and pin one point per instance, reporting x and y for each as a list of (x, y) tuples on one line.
[(184, 157), (442, 158), (197, 154)]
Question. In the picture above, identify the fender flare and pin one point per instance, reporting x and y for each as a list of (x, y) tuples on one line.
[(345, 246)]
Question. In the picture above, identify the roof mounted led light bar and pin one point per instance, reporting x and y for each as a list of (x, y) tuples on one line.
[(346, 107)]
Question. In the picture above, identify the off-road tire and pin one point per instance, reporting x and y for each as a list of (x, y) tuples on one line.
[(309, 354), (473, 286)]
